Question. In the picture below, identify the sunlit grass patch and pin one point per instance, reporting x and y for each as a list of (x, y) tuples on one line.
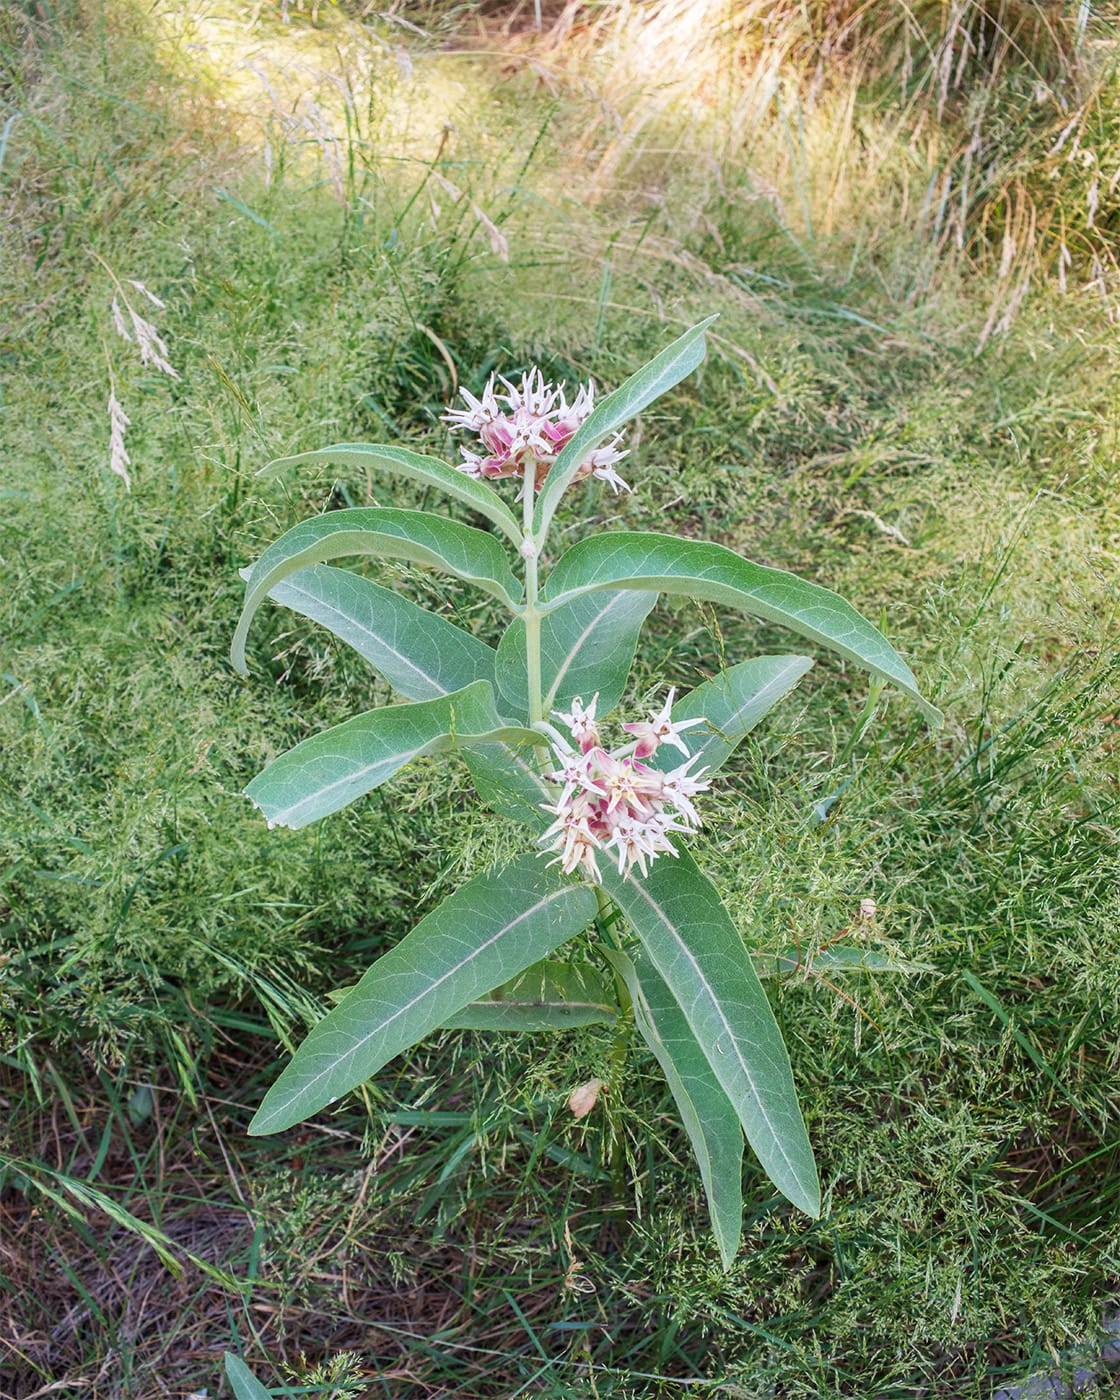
[(826, 132)]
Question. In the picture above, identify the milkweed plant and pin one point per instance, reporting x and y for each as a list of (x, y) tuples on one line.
[(608, 804)]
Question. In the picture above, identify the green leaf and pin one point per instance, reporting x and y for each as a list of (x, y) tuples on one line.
[(691, 941), (650, 382), (707, 1114), (732, 702), (717, 575), (487, 932), (326, 773), (550, 995), (421, 655), (587, 646), (509, 783), (245, 1384), (414, 535), (428, 471)]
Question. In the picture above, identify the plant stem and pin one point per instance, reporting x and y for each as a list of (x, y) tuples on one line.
[(532, 617), (533, 642), (620, 1046)]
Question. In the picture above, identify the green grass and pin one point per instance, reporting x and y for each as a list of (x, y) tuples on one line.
[(456, 1231)]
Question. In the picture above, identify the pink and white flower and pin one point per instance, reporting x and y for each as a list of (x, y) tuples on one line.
[(524, 430), (615, 803), (581, 723), (660, 729)]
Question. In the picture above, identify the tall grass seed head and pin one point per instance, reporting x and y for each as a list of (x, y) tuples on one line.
[(119, 422)]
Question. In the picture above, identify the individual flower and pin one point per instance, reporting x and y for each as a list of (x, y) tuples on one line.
[(581, 723), (660, 729), (524, 427), (615, 803)]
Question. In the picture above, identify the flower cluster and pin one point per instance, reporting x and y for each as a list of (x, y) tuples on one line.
[(613, 802), (526, 428)]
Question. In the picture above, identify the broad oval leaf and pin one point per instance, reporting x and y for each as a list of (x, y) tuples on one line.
[(657, 377), (707, 1114), (421, 655), (718, 575), (485, 933), (327, 772), (414, 535), (732, 702), (509, 782), (429, 471), (695, 948), (587, 646), (551, 995)]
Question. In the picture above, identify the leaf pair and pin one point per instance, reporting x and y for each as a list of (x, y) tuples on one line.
[(591, 620)]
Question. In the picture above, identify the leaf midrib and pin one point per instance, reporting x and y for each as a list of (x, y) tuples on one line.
[(566, 666), (758, 696), (358, 774)]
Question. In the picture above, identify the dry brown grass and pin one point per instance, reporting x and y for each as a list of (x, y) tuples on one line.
[(986, 127)]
